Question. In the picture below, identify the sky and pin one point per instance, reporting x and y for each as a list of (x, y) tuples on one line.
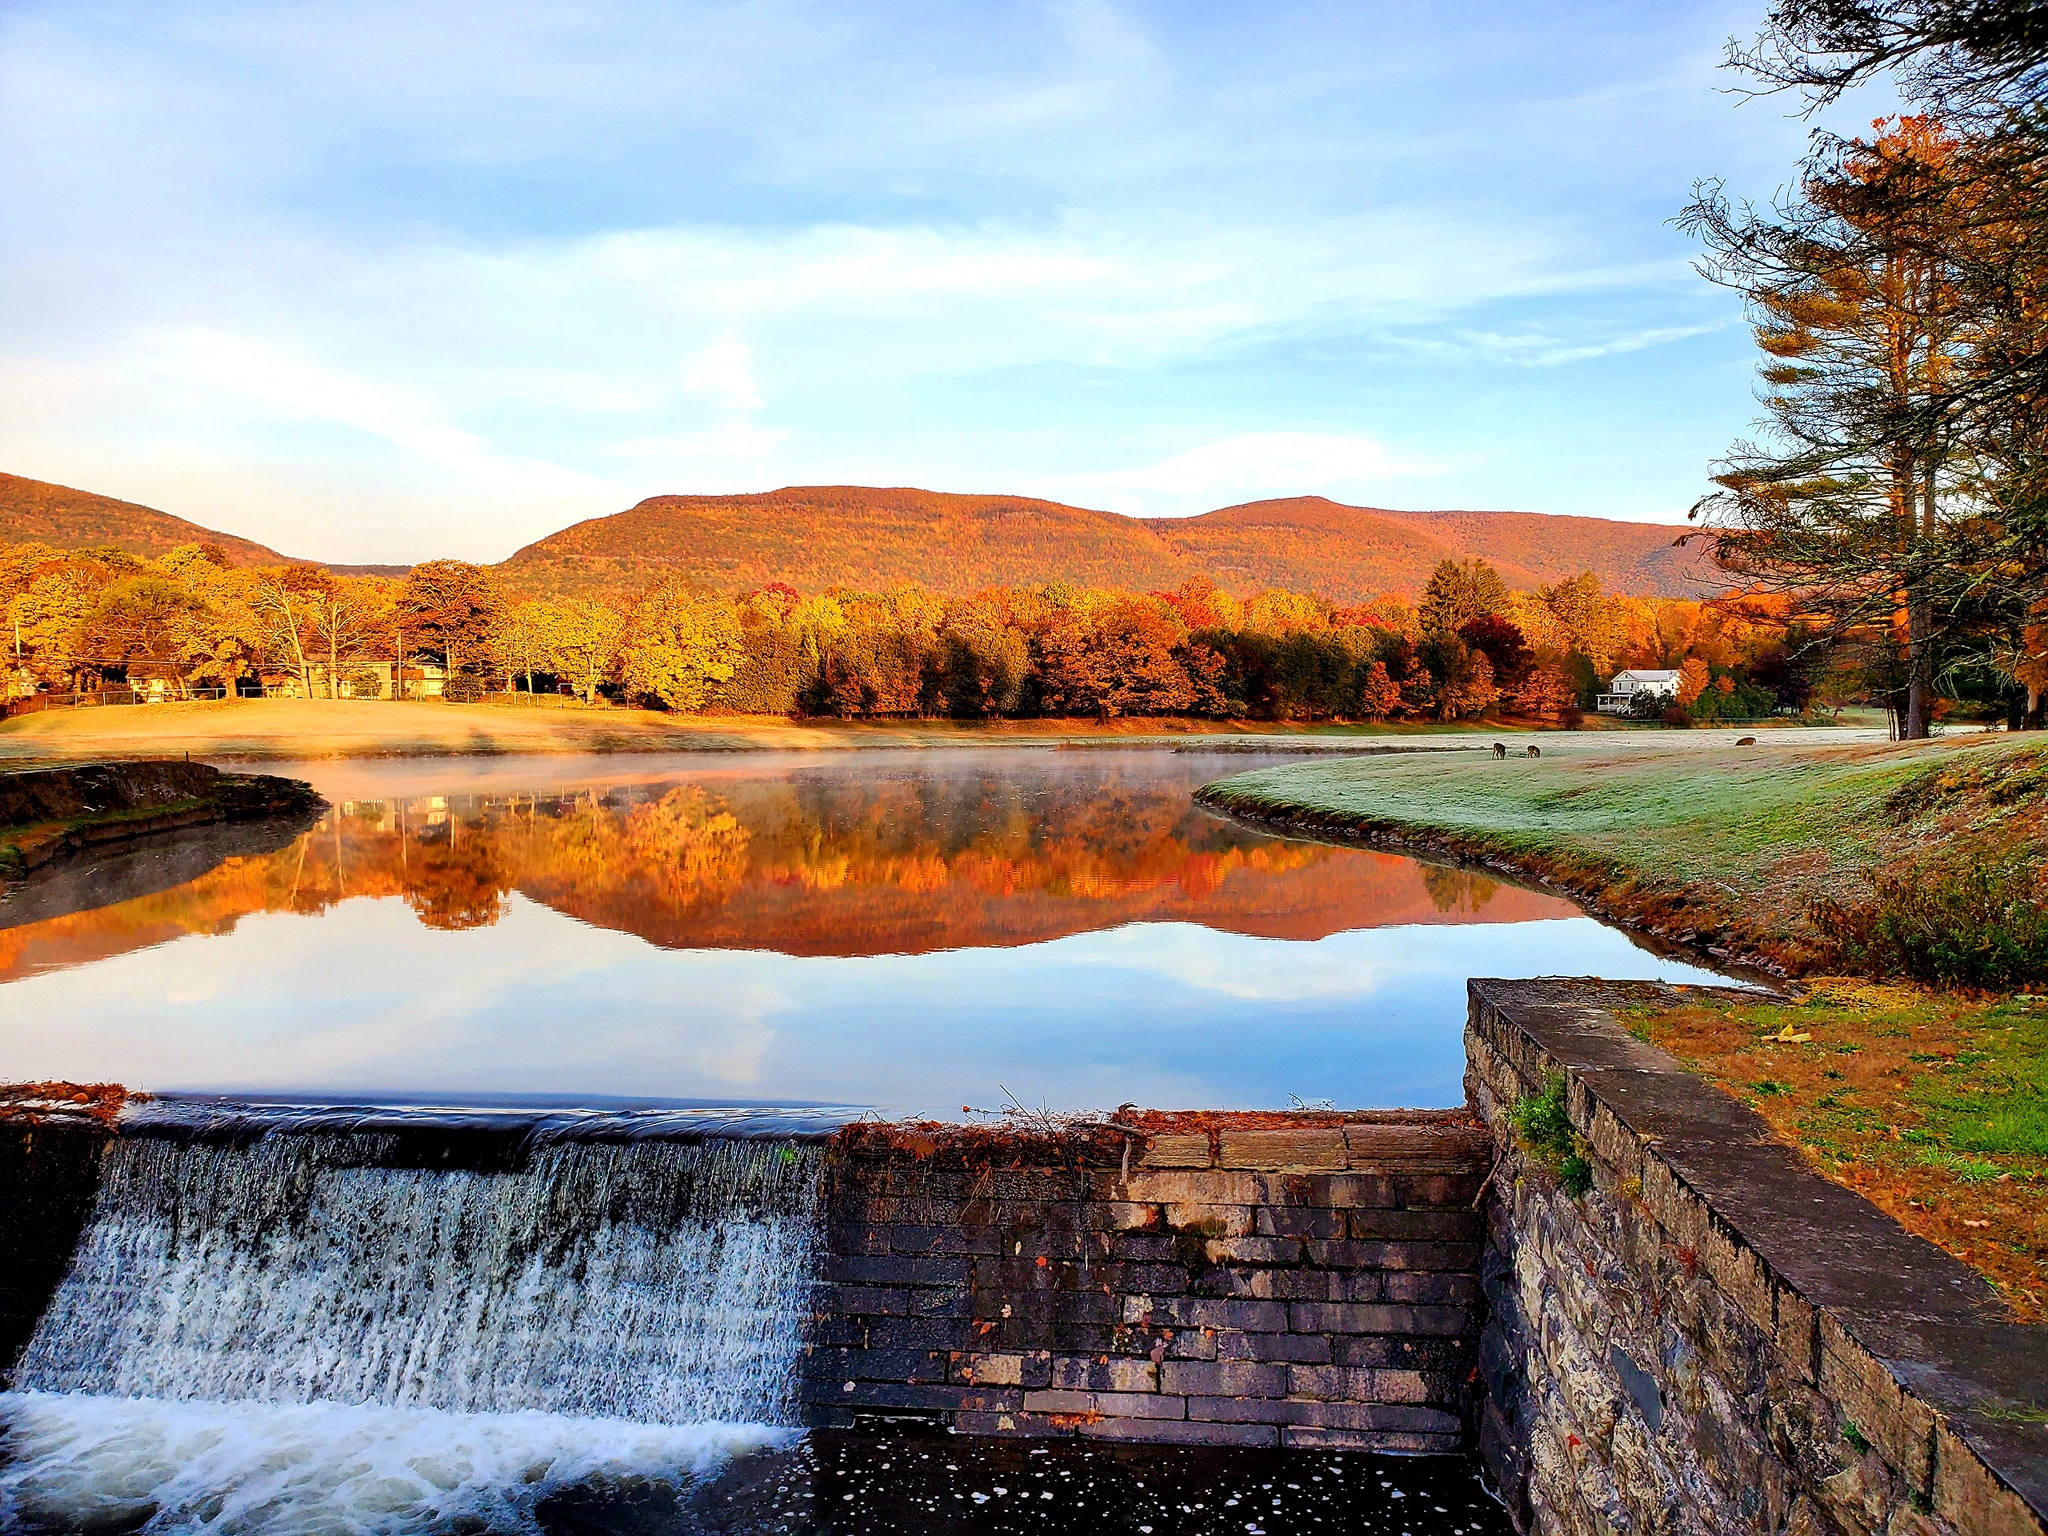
[(389, 279)]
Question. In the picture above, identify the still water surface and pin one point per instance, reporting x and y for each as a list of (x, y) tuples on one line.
[(917, 932)]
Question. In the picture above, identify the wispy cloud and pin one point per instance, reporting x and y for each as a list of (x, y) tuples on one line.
[(1253, 466), (460, 272)]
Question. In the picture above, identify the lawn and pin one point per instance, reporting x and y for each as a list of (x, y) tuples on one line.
[(1741, 850), (292, 729), (1932, 1105)]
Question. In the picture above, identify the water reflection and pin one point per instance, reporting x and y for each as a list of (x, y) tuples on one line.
[(912, 930), (897, 857)]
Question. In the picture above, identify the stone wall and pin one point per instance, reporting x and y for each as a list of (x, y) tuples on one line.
[(1713, 1338), (1303, 1285)]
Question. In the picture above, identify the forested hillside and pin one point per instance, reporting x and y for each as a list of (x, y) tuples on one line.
[(816, 537), (37, 512)]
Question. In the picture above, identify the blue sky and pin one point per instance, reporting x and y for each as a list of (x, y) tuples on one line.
[(394, 278)]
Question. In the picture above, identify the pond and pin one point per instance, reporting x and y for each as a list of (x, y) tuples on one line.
[(916, 933)]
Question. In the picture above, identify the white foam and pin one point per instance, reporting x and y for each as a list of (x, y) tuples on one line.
[(322, 1469), (645, 1282)]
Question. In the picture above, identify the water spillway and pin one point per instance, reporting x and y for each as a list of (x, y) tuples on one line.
[(659, 1282), (420, 1328)]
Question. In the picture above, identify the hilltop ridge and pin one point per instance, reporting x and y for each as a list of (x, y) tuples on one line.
[(860, 536), (40, 512), (815, 537)]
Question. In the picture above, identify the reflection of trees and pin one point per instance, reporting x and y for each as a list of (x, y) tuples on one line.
[(456, 879), (809, 863), (1457, 890), (696, 849)]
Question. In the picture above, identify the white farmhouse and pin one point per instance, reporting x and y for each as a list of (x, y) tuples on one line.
[(1622, 693)]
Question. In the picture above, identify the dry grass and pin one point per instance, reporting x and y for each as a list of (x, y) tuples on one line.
[(1930, 1105), (295, 729)]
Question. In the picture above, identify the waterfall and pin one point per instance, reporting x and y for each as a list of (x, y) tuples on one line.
[(658, 1282)]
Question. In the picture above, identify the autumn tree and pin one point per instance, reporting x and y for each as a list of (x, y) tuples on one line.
[(678, 645), (580, 641), (984, 661), (1378, 695), (521, 642), (345, 617), (1460, 591), (1503, 645), (450, 607), (285, 600), (1693, 676), (1861, 317)]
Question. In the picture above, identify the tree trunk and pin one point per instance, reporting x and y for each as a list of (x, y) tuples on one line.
[(1919, 626), (398, 669), (298, 650), (333, 664), (2031, 720), (1919, 685)]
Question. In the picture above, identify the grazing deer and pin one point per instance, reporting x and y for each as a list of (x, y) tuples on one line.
[(1534, 750), (1745, 741), (1500, 749)]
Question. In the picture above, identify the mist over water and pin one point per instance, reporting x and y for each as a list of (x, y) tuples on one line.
[(916, 931)]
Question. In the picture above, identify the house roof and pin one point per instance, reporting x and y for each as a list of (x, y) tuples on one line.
[(1642, 675)]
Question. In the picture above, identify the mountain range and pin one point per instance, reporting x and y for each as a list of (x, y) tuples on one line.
[(37, 512), (814, 537)]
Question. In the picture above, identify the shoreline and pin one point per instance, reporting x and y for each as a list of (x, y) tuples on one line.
[(301, 730), (1425, 846), (1732, 855), (54, 812)]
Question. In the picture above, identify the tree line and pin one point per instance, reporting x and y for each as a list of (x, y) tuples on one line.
[(1897, 490), (1468, 648)]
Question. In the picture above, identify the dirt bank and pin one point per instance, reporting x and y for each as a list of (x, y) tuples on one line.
[(48, 812)]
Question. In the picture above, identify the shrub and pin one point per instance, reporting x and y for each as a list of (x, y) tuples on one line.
[(1959, 924), (1543, 1126), (463, 689)]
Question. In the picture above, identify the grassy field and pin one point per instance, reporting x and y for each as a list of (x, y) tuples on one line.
[(1931, 1105), (1736, 849), (295, 729), (255, 729)]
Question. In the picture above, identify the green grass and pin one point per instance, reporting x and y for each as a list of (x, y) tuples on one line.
[(11, 861), (1731, 845), (1940, 1115), (1543, 1126)]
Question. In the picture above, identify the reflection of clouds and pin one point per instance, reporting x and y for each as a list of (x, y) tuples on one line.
[(738, 1058), (364, 998), (1231, 965), (1358, 964)]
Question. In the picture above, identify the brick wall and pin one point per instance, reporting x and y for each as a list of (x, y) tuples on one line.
[(1713, 1338), (1298, 1285)]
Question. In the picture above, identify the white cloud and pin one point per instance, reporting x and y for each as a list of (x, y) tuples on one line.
[(459, 273), (722, 375), (1538, 350), (1253, 466)]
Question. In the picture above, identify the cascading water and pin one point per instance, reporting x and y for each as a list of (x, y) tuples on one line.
[(407, 1347), (655, 1282)]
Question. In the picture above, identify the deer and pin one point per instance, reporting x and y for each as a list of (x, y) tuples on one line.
[(1534, 750), (1745, 741), (1500, 749)]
